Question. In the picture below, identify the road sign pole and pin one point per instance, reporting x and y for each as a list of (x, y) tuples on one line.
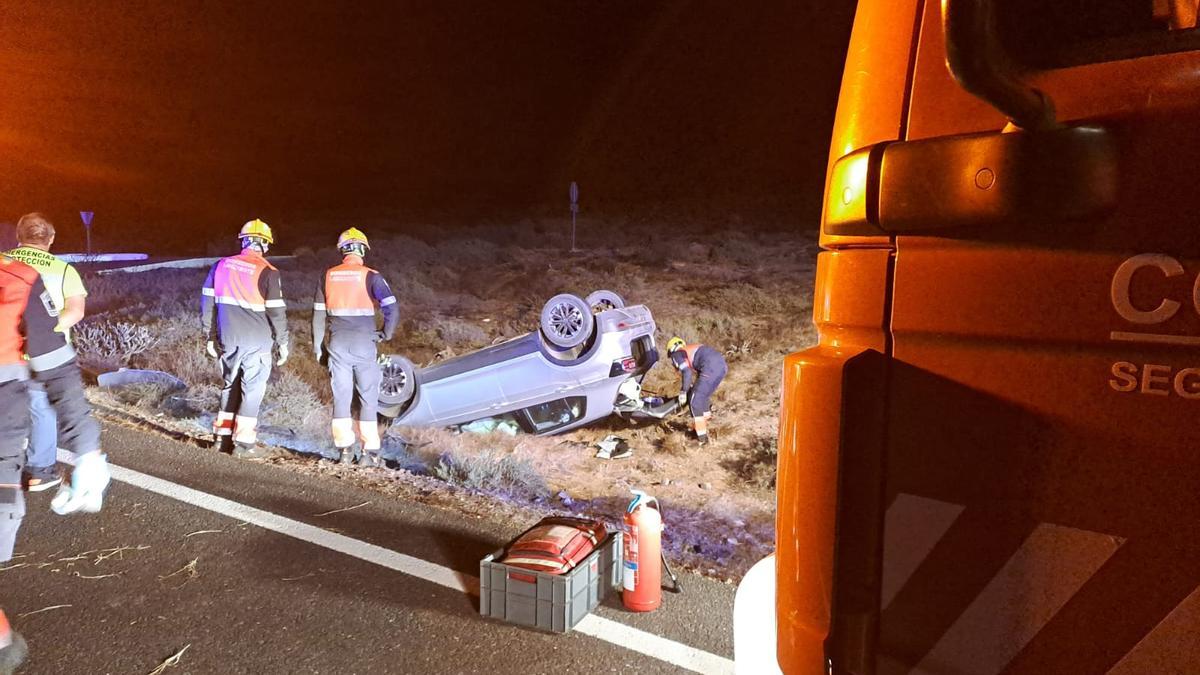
[(86, 217), (573, 193)]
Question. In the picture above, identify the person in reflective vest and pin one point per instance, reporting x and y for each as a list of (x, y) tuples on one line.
[(35, 236), (348, 294), (702, 369), (242, 313), (32, 343)]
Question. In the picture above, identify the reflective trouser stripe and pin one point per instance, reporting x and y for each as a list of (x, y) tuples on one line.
[(343, 432), (245, 429), (700, 424), (369, 432), (223, 425)]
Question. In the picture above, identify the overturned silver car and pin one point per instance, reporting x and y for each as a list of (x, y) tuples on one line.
[(565, 375)]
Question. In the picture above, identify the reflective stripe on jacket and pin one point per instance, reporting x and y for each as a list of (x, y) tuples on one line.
[(244, 295), (348, 293)]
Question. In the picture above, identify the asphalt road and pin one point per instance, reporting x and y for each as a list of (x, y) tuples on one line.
[(123, 590)]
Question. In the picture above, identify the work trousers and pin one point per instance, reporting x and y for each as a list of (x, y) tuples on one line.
[(707, 381), (78, 432), (244, 373), (42, 454), (354, 376), (14, 428)]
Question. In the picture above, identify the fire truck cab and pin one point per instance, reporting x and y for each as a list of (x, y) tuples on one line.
[(991, 461)]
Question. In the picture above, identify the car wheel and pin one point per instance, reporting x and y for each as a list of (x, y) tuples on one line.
[(600, 301), (398, 383), (567, 321)]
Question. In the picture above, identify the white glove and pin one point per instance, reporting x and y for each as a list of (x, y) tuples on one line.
[(283, 354), (85, 492), (211, 347), (682, 398)]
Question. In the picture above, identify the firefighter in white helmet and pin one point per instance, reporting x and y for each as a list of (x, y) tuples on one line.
[(348, 294), (243, 313)]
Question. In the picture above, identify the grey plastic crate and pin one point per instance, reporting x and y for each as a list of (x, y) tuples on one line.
[(553, 602)]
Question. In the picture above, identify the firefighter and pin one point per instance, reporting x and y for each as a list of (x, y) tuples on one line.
[(348, 293), (30, 342), (35, 235), (242, 312), (702, 369)]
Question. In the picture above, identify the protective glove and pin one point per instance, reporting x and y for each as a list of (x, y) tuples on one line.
[(85, 492), (682, 398), (383, 360), (318, 352), (283, 354), (380, 337), (211, 348)]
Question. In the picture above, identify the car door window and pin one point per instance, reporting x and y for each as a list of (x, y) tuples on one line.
[(555, 414)]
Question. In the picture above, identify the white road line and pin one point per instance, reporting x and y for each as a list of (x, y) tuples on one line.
[(619, 634)]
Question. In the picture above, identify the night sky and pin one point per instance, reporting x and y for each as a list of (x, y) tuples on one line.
[(186, 118)]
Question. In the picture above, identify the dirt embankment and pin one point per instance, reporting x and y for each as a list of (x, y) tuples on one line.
[(748, 295)]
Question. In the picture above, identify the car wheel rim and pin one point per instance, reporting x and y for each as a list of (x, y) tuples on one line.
[(565, 321), (394, 379)]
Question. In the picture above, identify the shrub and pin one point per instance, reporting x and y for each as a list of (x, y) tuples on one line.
[(453, 331), (289, 401), (492, 472), (110, 343)]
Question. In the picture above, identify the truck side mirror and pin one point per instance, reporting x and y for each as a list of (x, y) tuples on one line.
[(1036, 172)]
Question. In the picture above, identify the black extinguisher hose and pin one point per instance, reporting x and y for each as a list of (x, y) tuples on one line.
[(675, 586)]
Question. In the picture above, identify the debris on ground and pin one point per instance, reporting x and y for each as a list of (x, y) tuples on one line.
[(613, 447), (170, 661)]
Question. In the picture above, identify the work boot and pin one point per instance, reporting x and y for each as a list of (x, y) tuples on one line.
[(702, 439), (223, 444), (370, 460), (12, 648), (345, 456), (249, 451)]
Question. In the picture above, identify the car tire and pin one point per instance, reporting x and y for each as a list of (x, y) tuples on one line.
[(398, 383), (567, 321), (603, 299)]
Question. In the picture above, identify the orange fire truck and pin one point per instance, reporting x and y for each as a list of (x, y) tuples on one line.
[(991, 461)]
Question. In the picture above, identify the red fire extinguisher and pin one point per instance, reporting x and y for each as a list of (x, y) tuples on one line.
[(642, 578)]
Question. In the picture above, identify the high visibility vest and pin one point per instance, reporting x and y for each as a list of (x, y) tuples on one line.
[(346, 290), (16, 281), (236, 282), (689, 352)]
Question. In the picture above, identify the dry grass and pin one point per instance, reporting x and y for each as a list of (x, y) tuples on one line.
[(748, 295)]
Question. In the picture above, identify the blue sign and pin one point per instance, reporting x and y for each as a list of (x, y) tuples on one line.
[(86, 217)]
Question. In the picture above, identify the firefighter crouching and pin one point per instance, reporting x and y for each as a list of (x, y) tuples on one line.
[(702, 369), (30, 342), (348, 294), (242, 312)]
